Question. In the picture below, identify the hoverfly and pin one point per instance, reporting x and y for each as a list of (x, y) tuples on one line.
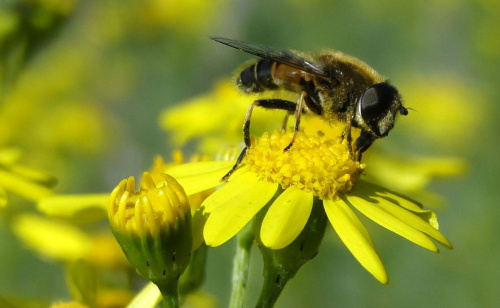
[(332, 85)]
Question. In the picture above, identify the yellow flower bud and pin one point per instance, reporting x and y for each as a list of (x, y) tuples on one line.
[(153, 227)]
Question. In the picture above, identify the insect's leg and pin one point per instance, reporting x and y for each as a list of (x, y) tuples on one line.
[(285, 122), (347, 134), (236, 165), (364, 141), (267, 104), (264, 103), (246, 138), (298, 113), (278, 104), (246, 125)]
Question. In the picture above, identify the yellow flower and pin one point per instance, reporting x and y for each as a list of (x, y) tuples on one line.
[(443, 112), (68, 305), (411, 175), (153, 227), (315, 167), (20, 180), (187, 17), (61, 241), (49, 238)]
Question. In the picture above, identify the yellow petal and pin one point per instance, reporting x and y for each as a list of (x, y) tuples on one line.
[(376, 213), (354, 235), (414, 221), (405, 209), (286, 218), (234, 205), (81, 207), (53, 239), (238, 185), (148, 297), (9, 156), (33, 175), (23, 187), (200, 176), (369, 189)]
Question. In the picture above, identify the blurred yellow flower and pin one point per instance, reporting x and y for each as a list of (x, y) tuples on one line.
[(77, 208), (56, 240), (216, 119), (28, 183), (65, 242), (447, 111), (411, 175), (188, 17), (315, 167), (68, 305), (113, 298), (49, 114)]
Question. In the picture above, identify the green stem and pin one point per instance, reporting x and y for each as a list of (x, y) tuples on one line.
[(240, 266), (275, 281), (169, 294)]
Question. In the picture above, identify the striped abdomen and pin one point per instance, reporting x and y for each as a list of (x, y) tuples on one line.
[(268, 75)]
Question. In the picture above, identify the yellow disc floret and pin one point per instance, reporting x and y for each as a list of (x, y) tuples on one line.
[(314, 163)]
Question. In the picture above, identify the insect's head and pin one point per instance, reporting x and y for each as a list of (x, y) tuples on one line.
[(378, 107)]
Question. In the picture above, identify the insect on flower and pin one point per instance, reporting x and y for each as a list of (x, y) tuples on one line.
[(332, 85)]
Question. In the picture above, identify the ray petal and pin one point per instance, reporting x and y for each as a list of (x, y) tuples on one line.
[(232, 207), (354, 235), (286, 218), (414, 221), (379, 215), (200, 176)]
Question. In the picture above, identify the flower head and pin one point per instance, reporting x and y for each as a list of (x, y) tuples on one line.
[(153, 226), (314, 164), (285, 184)]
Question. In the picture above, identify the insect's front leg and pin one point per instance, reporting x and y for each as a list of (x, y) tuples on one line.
[(264, 103), (364, 141), (347, 133)]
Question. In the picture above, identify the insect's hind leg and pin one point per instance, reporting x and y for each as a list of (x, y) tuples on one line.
[(264, 103)]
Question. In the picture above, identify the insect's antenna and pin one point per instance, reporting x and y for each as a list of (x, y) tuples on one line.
[(404, 110)]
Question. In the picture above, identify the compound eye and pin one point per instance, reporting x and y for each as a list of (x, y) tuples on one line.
[(375, 104)]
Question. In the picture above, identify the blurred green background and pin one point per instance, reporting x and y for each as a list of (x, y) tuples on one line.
[(83, 100)]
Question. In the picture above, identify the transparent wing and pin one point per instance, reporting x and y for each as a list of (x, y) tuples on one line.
[(282, 56)]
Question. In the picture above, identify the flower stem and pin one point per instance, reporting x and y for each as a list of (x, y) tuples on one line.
[(169, 294), (275, 280), (240, 266)]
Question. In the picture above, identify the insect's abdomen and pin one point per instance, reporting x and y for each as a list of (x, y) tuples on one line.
[(258, 77), (266, 75)]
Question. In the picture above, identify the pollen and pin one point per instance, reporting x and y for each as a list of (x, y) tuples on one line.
[(314, 164)]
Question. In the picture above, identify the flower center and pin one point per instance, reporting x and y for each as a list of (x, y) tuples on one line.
[(314, 163)]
